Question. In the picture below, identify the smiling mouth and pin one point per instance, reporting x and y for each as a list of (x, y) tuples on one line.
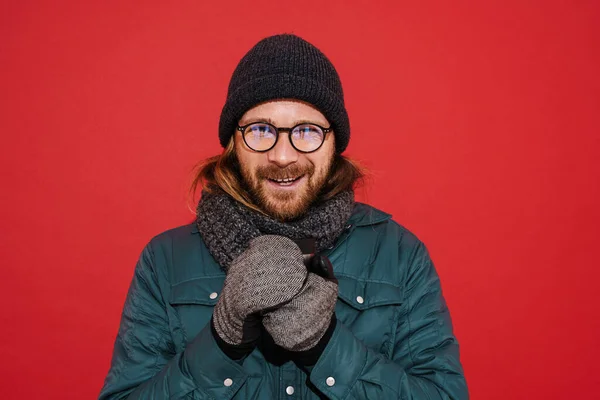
[(285, 181)]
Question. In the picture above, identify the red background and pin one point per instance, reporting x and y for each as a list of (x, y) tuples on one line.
[(478, 120)]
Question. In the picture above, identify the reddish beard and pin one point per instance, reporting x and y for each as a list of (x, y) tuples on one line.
[(284, 205)]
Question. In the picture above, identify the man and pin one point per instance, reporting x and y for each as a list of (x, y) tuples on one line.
[(284, 286)]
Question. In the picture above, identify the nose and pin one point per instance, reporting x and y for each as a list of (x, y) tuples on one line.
[(283, 154)]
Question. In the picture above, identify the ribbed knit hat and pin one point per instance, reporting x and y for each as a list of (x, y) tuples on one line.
[(285, 66)]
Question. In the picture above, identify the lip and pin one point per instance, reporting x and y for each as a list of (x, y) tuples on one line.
[(293, 186)]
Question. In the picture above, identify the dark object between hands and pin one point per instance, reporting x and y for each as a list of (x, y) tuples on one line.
[(320, 265), (316, 263), (308, 246)]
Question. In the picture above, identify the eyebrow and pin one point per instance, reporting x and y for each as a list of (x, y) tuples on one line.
[(270, 121)]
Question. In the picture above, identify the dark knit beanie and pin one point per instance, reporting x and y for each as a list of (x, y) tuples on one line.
[(285, 66)]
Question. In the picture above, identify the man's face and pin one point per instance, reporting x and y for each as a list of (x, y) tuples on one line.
[(284, 201)]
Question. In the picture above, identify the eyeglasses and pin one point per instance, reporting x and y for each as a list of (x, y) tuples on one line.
[(261, 136)]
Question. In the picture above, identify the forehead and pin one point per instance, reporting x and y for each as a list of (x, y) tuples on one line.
[(285, 111)]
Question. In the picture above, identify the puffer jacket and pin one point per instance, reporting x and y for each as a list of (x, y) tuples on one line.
[(393, 339)]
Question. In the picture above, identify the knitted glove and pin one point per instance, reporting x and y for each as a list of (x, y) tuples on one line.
[(307, 321), (270, 272)]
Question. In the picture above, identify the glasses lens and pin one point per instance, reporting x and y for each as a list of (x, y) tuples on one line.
[(307, 137), (260, 137)]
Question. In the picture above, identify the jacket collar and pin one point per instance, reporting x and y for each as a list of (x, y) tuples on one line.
[(363, 215)]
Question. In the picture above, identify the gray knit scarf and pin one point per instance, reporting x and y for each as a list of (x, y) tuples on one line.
[(227, 226)]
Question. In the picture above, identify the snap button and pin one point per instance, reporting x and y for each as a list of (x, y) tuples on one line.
[(228, 382), (213, 295), (289, 390), (330, 381), (359, 299)]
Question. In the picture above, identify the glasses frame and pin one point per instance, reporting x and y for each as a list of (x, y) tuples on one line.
[(278, 130)]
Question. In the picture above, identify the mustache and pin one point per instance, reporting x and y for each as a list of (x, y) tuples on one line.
[(291, 171)]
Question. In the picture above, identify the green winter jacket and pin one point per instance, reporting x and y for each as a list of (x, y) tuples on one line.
[(393, 339)]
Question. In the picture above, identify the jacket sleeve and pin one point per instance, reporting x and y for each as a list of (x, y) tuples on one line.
[(144, 362), (424, 362)]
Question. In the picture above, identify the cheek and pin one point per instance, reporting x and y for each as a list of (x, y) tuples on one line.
[(247, 160), (322, 162)]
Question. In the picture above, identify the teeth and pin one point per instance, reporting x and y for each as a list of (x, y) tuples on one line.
[(285, 180)]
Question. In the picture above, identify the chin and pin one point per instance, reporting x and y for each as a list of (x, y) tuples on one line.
[(285, 205), (285, 210)]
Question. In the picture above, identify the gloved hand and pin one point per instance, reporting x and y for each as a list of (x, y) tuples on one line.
[(270, 272), (300, 324)]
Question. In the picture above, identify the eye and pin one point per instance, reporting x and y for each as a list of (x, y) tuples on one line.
[(260, 130), (308, 132)]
